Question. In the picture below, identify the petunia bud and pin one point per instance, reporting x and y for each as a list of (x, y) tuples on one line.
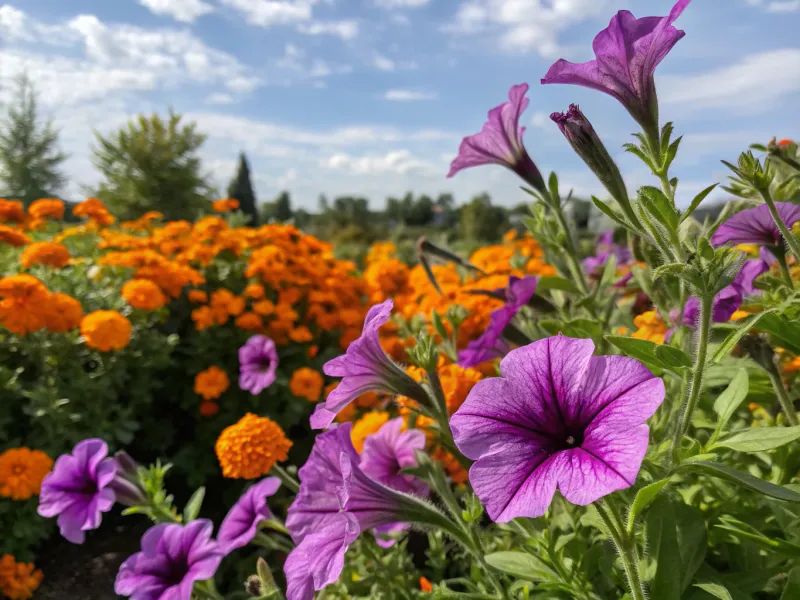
[(587, 144)]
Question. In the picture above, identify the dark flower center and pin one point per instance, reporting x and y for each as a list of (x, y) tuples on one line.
[(569, 439), (264, 363)]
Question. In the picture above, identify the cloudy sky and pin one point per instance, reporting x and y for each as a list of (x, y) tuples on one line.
[(371, 97)]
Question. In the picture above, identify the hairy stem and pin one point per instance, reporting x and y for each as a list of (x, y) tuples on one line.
[(787, 235), (290, 482), (626, 547), (783, 396), (780, 256)]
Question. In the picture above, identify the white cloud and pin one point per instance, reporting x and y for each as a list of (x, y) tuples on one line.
[(777, 6), (347, 30), (401, 3), (755, 83), (265, 13), (383, 63), (13, 23), (408, 95), (523, 25), (220, 98), (185, 11), (395, 161)]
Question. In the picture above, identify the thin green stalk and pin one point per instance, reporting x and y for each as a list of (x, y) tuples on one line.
[(783, 397), (695, 386), (571, 254), (780, 255), (290, 482), (787, 235), (626, 548)]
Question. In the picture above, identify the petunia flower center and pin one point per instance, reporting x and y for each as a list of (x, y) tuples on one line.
[(264, 364), (570, 440)]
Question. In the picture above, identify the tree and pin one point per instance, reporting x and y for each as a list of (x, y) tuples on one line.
[(480, 221), (283, 207), (152, 164), (30, 159), (241, 189)]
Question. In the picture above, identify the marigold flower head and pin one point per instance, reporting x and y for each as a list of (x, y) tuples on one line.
[(22, 471), (94, 210), (264, 307), (198, 296), (255, 291), (143, 294), (106, 330), (225, 205), (425, 585), (12, 237), (11, 211), (300, 335), (249, 321), (203, 318), (650, 327), (47, 208), (63, 313), (18, 581), (306, 383), (370, 423), (51, 254), (23, 303), (249, 449), (211, 383)]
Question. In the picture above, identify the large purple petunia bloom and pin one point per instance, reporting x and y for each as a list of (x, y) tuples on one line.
[(258, 361), (79, 489), (558, 418), (500, 141), (756, 225), (336, 501), (490, 344), (173, 557), (241, 523), (364, 367), (627, 53)]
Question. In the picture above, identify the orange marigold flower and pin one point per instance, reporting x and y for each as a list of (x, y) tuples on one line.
[(249, 449), (47, 208), (255, 291), (300, 335), (23, 303), (22, 471), (249, 321), (94, 210), (198, 296), (306, 383), (106, 330), (208, 409), (650, 327), (370, 423), (12, 237), (264, 308), (203, 318), (18, 581), (51, 254), (143, 294), (454, 469), (63, 313), (312, 351), (225, 205), (11, 211), (792, 366), (211, 383), (425, 585)]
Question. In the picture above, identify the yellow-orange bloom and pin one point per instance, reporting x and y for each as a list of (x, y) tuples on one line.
[(198, 296), (94, 210), (22, 471), (255, 291), (370, 423), (225, 205), (47, 208), (300, 335), (51, 254), (143, 294), (18, 581), (650, 327), (211, 383), (249, 449), (106, 330), (63, 313), (425, 586), (12, 237), (203, 318), (306, 383), (249, 321), (11, 211), (23, 303)]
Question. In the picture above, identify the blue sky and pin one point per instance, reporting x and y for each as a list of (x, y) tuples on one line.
[(372, 97)]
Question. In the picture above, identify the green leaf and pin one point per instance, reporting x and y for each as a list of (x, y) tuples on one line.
[(759, 439), (673, 357), (662, 541), (192, 508), (785, 331), (521, 564), (745, 479), (643, 498), (438, 325), (609, 271), (792, 589), (556, 283), (552, 186), (696, 202), (659, 206), (643, 350), (715, 589), (737, 334), (729, 400)]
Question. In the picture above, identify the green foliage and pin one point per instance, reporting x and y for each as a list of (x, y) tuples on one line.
[(480, 220), (241, 189)]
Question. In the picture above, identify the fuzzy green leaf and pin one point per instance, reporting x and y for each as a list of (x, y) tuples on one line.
[(760, 439), (745, 479)]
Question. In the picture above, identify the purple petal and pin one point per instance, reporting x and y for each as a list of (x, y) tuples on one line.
[(241, 522), (756, 225)]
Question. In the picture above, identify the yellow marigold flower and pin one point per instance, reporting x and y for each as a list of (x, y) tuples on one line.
[(255, 291), (650, 327), (11, 211), (51, 254), (198, 296), (306, 383), (456, 384), (106, 330), (63, 313), (47, 208), (203, 318), (143, 294), (18, 581), (23, 303), (370, 423), (12, 237), (300, 335), (249, 449), (225, 205), (211, 383), (22, 471), (249, 321), (739, 314)]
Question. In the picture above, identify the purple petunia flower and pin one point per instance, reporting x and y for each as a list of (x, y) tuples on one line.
[(336, 501), (627, 53), (173, 557), (500, 141), (241, 522), (490, 344), (258, 361), (756, 225), (558, 418), (79, 489), (364, 367), (606, 246)]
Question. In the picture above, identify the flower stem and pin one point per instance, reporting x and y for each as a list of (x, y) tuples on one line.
[(780, 255), (626, 547), (695, 386), (787, 235), (290, 482), (783, 397), (571, 254)]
